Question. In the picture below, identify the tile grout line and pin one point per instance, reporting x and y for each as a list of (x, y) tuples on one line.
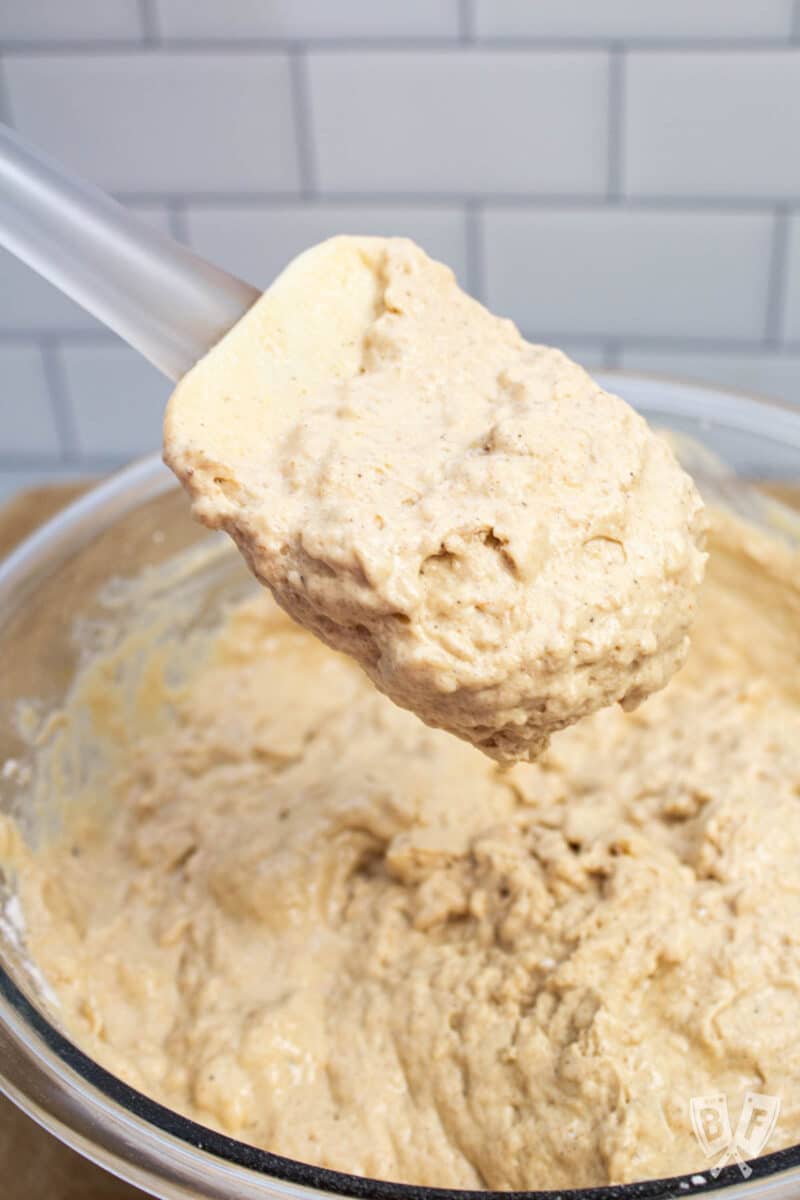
[(476, 262), (148, 19), (6, 111), (303, 121), (43, 462), (421, 43), (616, 115), (60, 403), (505, 201), (177, 219), (133, 44), (612, 354), (777, 279), (466, 21)]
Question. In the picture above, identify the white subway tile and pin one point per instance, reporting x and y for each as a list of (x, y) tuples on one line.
[(633, 19), (791, 325), (712, 124), (116, 398), (452, 121), (309, 19), (615, 272), (160, 122), (13, 481), (69, 20), (257, 243), (766, 374), (29, 303), (26, 415)]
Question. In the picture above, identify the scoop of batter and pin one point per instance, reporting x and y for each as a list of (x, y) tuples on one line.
[(503, 546)]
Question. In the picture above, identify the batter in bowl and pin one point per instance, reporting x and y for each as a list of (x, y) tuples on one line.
[(298, 915), (503, 546)]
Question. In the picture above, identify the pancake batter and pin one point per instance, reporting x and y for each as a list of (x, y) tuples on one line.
[(312, 922)]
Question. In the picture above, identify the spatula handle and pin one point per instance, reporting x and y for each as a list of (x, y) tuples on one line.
[(165, 301)]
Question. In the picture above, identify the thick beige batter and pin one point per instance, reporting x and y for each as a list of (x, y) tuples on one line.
[(320, 926), (502, 545)]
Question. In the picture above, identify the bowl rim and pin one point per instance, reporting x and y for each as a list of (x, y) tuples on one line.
[(121, 1129)]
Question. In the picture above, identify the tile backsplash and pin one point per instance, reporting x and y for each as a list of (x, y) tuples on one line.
[(620, 178)]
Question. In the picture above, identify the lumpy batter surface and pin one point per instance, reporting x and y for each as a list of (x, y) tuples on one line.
[(501, 544), (314, 923)]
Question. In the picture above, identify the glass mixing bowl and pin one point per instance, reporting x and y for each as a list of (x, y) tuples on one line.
[(133, 526)]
